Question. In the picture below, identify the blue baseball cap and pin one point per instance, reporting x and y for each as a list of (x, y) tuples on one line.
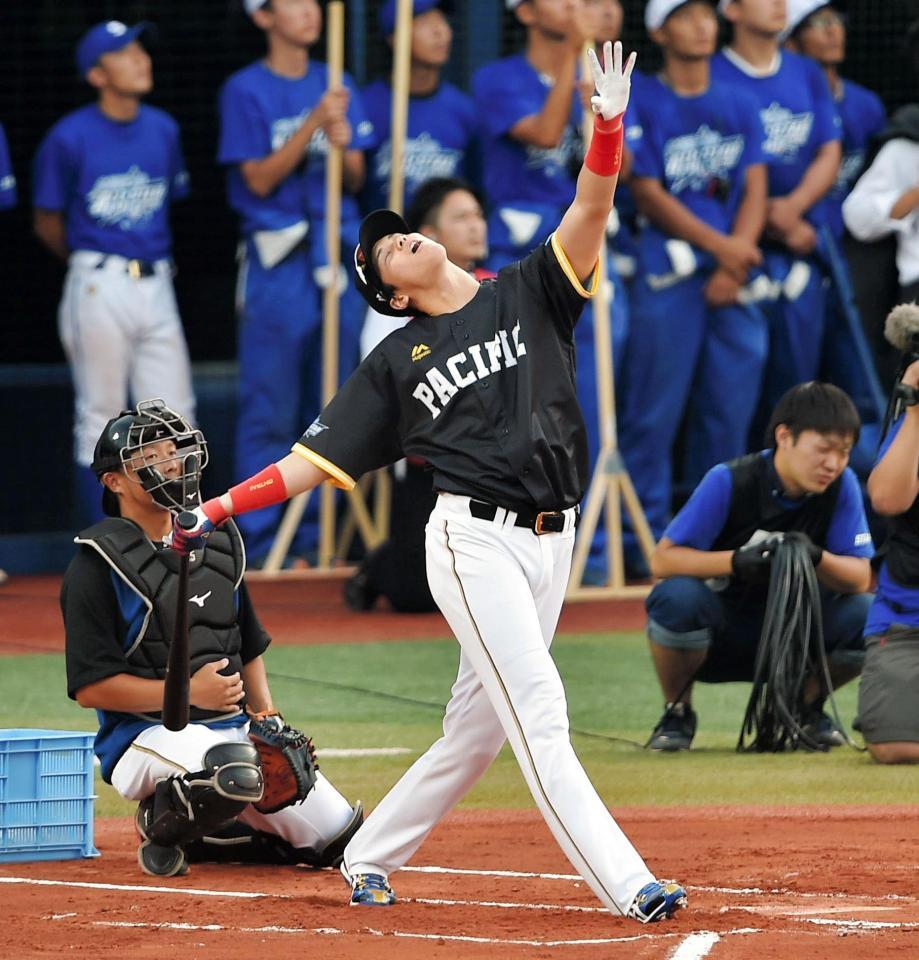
[(388, 12), (105, 38)]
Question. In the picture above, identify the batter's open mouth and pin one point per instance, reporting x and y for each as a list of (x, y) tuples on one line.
[(415, 246)]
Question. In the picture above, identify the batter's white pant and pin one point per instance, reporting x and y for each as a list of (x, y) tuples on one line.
[(123, 338), (501, 589), (157, 753)]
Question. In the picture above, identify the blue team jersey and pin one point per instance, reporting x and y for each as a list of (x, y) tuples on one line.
[(698, 147), (259, 112), (797, 113), (893, 602), (441, 128), (113, 181), (702, 518), (7, 177), (862, 115), (505, 92)]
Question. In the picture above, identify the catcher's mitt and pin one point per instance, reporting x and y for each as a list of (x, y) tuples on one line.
[(288, 761)]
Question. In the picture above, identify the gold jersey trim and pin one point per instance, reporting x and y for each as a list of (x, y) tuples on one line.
[(337, 476), (565, 264)]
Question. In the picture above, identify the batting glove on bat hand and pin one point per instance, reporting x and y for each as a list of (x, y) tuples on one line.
[(813, 551), (184, 540), (612, 80)]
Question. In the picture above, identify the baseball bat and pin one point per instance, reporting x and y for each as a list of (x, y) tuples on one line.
[(178, 678)]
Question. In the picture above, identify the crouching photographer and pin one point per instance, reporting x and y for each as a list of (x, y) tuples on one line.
[(888, 701)]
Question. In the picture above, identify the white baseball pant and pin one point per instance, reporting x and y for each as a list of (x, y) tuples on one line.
[(501, 589), (123, 338), (157, 753)]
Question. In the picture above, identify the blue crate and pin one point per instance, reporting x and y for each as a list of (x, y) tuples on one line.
[(46, 795)]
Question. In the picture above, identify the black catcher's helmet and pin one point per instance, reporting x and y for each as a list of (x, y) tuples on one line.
[(123, 441)]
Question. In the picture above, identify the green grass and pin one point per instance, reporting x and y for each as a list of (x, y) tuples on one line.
[(332, 693)]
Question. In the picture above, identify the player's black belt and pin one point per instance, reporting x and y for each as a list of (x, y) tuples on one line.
[(546, 521), (138, 269)]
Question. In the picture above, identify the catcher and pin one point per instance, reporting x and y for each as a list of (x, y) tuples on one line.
[(237, 783)]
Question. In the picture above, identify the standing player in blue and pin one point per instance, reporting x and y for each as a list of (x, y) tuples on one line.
[(698, 176), (7, 177), (104, 178), (530, 109), (441, 118), (802, 152), (817, 30), (277, 119)]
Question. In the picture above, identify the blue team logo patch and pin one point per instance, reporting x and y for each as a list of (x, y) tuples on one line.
[(126, 199), (694, 160), (786, 132)]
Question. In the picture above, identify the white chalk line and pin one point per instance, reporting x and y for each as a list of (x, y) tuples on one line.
[(696, 946), (142, 888), (362, 752), (691, 888)]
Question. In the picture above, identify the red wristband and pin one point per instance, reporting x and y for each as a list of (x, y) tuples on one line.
[(214, 511), (262, 490), (604, 156)]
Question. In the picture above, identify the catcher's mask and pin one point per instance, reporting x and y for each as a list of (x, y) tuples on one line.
[(149, 439)]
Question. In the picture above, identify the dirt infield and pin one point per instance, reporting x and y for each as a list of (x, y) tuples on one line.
[(293, 611), (789, 883), (763, 883)]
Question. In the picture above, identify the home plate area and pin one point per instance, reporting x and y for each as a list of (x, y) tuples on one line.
[(772, 882)]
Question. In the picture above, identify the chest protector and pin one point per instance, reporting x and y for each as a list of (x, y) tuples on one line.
[(902, 547), (754, 506), (214, 575)]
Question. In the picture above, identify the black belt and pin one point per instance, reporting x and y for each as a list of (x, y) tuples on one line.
[(136, 268), (546, 521)]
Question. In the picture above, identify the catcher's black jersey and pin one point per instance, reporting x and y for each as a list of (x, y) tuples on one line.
[(486, 395)]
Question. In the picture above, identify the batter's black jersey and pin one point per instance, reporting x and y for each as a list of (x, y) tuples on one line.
[(486, 395)]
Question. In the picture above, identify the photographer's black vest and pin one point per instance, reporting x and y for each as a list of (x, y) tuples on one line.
[(902, 548), (214, 575), (755, 506)]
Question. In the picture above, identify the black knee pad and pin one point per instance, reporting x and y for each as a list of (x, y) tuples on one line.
[(189, 807)]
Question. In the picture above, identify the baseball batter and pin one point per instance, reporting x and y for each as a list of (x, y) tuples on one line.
[(481, 385), (118, 600), (104, 178)]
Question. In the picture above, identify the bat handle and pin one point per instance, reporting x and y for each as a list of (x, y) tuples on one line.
[(187, 520)]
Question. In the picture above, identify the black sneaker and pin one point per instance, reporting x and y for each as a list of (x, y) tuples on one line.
[(675, 729), (821, 729)]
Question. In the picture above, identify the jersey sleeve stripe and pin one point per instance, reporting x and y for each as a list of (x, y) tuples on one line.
[(337, 476), (564, 263)]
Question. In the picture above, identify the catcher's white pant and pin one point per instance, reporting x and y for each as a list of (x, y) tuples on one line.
[(157, 753), (123, 338), (501, 589)]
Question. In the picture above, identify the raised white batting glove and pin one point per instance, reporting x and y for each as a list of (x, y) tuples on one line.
[(612, 80), (184, 540)]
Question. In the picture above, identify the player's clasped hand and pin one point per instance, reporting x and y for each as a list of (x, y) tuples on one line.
[(814, 552), (612, 80), (752, 563), (211, 690), (183, 541)]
